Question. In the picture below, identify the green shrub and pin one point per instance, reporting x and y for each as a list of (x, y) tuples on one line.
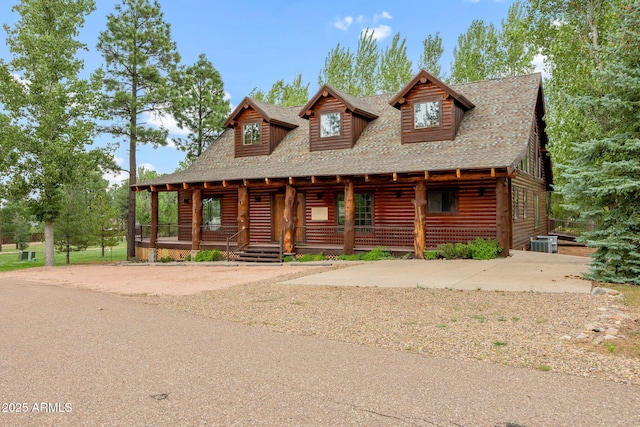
[(484, 249), (429, 255), (352, 257), (208, 256), (376, 254), (454, 251), (166, 259), (312, 257), (187, 258), (287, 258)]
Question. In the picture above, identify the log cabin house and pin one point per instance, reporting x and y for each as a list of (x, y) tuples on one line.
[(431, 164)]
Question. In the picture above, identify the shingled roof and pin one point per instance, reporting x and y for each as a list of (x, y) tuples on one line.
[(495, 134)]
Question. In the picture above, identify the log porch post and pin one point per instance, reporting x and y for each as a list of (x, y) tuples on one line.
[(196, 223), (420, 220), (153, 235), (503, 215), (243, 216), (290, 219), (349, 218)]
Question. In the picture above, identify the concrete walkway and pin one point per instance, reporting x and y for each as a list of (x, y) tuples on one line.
[(522, 271), (77, 357)]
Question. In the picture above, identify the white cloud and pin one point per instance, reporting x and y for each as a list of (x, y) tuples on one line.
[(380, 32), (343, 23), (539, 61), (384, 15)]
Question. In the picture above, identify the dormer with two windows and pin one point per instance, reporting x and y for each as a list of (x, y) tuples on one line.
[(430, 110), (259, 127), (336, 119)]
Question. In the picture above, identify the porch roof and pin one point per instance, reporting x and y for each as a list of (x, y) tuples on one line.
[(494, 134)]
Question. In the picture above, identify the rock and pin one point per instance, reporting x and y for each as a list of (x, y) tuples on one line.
[(593, 327), (609, 337), (597, 341), (611, 331), (582, 336), (598, 291), (566, 337)]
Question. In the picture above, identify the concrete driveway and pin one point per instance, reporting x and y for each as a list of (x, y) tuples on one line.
[(522, 271)]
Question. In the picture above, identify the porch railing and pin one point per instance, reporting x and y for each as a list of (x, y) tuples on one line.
[(183, 232), (401, 236), (569, 228)]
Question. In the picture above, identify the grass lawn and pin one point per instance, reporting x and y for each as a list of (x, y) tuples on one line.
[(9, 256)]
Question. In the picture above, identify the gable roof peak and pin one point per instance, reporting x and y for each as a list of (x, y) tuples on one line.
[(423, 77), (352, 103), (271, 113)]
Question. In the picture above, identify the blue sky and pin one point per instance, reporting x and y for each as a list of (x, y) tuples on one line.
[(255, 43)]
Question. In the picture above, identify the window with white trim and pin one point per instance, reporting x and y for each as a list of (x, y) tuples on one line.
[(426, 114), (329, 125), (251, 133)]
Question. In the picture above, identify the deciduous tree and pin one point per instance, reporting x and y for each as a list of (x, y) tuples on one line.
[(395, 69), (284, 94), (50, 108), (432, 51)]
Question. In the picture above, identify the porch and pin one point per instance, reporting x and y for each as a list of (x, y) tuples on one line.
[(309, 239)]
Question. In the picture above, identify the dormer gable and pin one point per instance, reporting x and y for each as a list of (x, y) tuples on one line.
[(336, 119), (258, 127), (430, 109)]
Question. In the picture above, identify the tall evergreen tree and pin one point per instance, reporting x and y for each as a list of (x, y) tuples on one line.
[(49, 107), (395, 68), (432, 51), (199, 105), (603, 181), (139, 55)]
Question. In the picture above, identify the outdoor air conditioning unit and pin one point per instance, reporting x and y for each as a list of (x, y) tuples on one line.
[(541, 245)]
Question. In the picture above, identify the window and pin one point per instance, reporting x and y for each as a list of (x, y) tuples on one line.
[(524, 164), (516, 203), (426, 114), (212, 213), (536, 210), (442, 201), (329, 125), (251, 134), (524, 204), (363, 209)]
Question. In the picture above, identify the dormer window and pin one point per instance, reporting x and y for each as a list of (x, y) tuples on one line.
[(426, 114), (251, 133), (329, 125)]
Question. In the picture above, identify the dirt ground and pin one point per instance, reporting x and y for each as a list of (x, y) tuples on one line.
[(157, 279)]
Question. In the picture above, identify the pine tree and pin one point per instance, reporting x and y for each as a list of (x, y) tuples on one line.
[(199, 105), (139, 56), (603, 182)]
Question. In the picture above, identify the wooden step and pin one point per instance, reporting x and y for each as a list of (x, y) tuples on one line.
[(259, 254)]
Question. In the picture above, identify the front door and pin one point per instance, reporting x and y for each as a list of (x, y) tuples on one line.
[(278, 214)]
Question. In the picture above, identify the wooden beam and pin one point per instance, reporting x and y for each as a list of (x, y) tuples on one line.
[(366, 177), (426, 175), (420, 220), (291, 180), (458, 173), (313, 179), (289, 219), (243, 216), (154, 188), (224, 183), (349, 233), (267, 181), (338, 179), (493, 172), (503, 215), (185, 185), (423, 80), (196, 221), (395, 176), (153, 238), (245, 182)]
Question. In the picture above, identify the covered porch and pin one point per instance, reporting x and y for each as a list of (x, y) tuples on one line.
[(332, 215)]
